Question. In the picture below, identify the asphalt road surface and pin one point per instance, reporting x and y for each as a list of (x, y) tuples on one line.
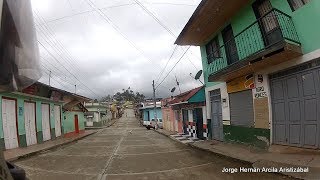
[(127, 151)]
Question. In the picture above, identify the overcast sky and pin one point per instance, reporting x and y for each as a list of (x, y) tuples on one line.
[(104, 46)]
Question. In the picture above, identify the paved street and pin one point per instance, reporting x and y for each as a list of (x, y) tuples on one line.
[(128, 151)]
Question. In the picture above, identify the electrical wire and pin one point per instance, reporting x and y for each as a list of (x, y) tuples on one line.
[(173, 67)]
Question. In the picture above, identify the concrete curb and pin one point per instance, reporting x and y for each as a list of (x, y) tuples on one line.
[(225, 156), (48, 148)]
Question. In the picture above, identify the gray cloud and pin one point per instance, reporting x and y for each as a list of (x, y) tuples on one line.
[(101, 58)]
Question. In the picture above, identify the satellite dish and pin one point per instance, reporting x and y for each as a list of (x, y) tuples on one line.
[(173, 89), (198, 75)]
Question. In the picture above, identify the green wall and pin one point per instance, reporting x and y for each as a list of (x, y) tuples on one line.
[(20, 112), (244, 135), (198, 97), (305, 21), (68, 121)]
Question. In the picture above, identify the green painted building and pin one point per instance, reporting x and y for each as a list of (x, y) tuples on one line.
[(261, 66), (35, 115), (98, 114)]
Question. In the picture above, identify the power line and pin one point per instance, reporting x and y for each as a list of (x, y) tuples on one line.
[(173, 66), (65, 67), (160, 74), (55, 46), (58, 44), (114, 6), (115, 27)]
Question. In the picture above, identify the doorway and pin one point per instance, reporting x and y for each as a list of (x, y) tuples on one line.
[(268, 22), (185, 120), (198, 117), (76, 124), (9, 123), (230, 45), (216, 115)]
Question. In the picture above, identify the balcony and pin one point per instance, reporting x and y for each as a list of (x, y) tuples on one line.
[(270, 40)]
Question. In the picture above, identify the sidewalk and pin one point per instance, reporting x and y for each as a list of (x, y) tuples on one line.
[(276, 156), (15, 154)]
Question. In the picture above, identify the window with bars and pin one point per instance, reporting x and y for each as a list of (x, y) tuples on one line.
[(296, 4), (213, 50)]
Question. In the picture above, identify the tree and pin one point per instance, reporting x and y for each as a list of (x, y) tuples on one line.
[(126, 95)]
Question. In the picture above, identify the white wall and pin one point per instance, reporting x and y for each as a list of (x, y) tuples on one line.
[(224, 95)]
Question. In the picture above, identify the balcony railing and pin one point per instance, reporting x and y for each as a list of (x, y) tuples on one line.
[(267, 31)]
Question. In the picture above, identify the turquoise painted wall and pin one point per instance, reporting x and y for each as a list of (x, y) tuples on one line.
[(306, 20), (20, 103), (151, 111), (303, 18), (68, 121), (198, 97)]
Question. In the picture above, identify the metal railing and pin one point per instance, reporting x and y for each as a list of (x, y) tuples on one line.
[(270, 29)]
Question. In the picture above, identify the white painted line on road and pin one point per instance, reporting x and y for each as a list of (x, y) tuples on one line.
[(155, 172), (154, 153)]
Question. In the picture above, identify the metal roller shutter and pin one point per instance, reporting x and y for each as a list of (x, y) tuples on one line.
[(241, 108)]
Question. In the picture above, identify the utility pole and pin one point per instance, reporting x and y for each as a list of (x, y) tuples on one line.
[(155, 105), (50, 78), (75, 89)]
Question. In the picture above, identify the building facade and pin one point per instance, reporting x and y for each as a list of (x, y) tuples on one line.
[(189, 110), (98, 114), (260, 62), (148, 112), (167, 115)]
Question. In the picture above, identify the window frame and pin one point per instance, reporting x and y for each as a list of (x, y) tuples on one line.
[(214, 53), (304, 2)]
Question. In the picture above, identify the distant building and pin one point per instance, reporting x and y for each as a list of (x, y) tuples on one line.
[(148, 112), (98, 114)]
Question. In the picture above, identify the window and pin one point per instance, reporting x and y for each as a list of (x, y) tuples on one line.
[(296, 4), (213, 50)]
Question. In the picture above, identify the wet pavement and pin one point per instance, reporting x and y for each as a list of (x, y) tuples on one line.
[(128, 151)]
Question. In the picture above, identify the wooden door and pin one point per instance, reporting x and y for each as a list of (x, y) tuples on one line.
[(76, 124), (9, 123), (30, 123), (45, 111), (57, 118)]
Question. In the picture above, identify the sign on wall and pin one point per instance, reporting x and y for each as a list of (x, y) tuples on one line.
[(260, 90), (241, 84)]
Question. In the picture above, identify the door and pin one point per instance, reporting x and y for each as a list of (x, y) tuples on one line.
[(268, 22), (148, 115), (176, 119), (216, 115), (30, 123), (241, 108), (9, 123), (198, 117), (230, 45), (45, 111), (57, 120), (76, 124), (295, 100), (185, 121)]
